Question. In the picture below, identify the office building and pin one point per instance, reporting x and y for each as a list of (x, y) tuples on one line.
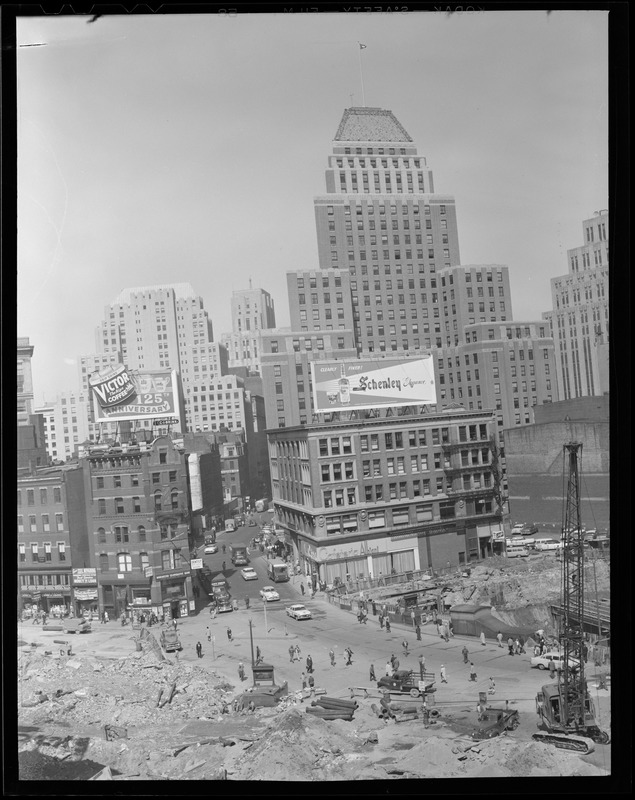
[(24, 380), (579, 317), (381, 220), (366, 497), (252, 311), (66, 424)]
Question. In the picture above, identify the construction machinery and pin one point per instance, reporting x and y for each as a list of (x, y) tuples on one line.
[(566, 709)]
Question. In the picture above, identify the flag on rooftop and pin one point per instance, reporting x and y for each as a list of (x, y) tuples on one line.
[(362, 46)]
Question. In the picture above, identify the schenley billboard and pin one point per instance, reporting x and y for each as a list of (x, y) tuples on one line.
[(370, 383), (123, 394)]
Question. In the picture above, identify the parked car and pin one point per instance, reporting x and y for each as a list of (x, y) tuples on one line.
[(298, 611), (518, 528), (542, 662), (249, 574), (210, 549), (407, 682), (547, 544), (529, 530), (269, 594), (170, 641), (252, 522)]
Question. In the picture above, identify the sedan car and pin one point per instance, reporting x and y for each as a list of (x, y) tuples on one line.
[(542, 662), (210, 549), (268, 594), (298, 611), (249, 574)]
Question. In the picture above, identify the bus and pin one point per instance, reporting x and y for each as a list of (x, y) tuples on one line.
[(277, 571), (230, 525)]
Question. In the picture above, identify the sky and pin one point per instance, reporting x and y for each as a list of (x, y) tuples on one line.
[(172, 148)]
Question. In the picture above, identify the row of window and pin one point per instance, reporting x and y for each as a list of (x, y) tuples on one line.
[(170, 559), (161, 503), (43, 494), (35, 580), (42, 552), (45, 523)]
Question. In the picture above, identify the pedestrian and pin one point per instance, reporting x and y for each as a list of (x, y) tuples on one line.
[(499, 636), (521, 642), (311, 682), (517, 647), (291, 653), (224, 566), (372, 676), (387, 626), (396, 664), (381, 621), (472, 671), (241, 671), (393, 658), (349, 656), (552, 668), (491, 689), (510, 645), (443, 675), (246, 602), (446, 631), (422, 666), (418, 632), (309, 664), (297, 652), (412, 617), (466, 654), (199, 650), (389, 669), (304, 683), (302, 589), (332, 656), (229, 634), (258, 655), (451, 629), (483, 638), (404, 644), (209, 633), (106, 617)]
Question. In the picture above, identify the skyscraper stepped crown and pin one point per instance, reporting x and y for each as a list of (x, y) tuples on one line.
[(370, 125)]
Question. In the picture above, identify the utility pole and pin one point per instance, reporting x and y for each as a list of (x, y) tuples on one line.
[(251, 639)]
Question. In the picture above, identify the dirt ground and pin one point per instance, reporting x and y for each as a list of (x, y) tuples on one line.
[(66, 701)]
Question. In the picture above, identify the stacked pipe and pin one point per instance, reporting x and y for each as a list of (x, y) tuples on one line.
[(332, 708)]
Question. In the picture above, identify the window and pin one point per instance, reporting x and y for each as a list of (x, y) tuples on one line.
[(43, 495), (30, 497), (144, 561), (141, 531), (117, 481), (124, 562), (59, 522), (104, 566), (157, 501), (174, 499)]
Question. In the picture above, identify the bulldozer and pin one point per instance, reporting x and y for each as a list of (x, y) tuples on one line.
[(565, 708)]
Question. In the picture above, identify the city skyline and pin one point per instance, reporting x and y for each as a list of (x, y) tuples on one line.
[(125, 175)]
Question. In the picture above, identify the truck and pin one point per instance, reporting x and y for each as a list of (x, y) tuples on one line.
[(277, 571), (405, 681), (239, 555), (170, 640), (220, 595), (230, 525), (261, 505)]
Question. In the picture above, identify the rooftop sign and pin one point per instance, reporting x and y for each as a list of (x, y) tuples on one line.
[(371, 383)]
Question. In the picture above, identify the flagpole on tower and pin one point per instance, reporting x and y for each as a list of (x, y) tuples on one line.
[(361, 75)]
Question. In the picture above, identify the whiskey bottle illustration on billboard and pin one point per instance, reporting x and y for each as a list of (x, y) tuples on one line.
[(345, 387)]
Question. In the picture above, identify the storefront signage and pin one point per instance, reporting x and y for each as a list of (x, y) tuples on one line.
[(87, 575), (85, 594), (148, 571), (369, 383), (173, 573), (196, 563)]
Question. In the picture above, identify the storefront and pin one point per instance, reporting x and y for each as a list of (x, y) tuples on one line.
[(85, 597), (175, 594), (357, 560), (116, 597)]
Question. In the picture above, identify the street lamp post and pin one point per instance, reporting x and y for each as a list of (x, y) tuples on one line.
[(251, 640)]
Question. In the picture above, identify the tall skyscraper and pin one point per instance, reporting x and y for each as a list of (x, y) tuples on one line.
[(382, 221), (580, 316)]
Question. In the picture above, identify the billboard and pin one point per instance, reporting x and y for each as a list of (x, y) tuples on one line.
[(370, 383), (156, 396)]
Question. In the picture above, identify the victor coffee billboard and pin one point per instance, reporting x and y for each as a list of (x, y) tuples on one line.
[(371, 383), (156, 395)]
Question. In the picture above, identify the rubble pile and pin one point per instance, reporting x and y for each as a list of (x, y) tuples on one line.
[(535, 583)]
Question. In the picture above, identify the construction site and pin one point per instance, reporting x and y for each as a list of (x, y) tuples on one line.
[(110, 704)]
